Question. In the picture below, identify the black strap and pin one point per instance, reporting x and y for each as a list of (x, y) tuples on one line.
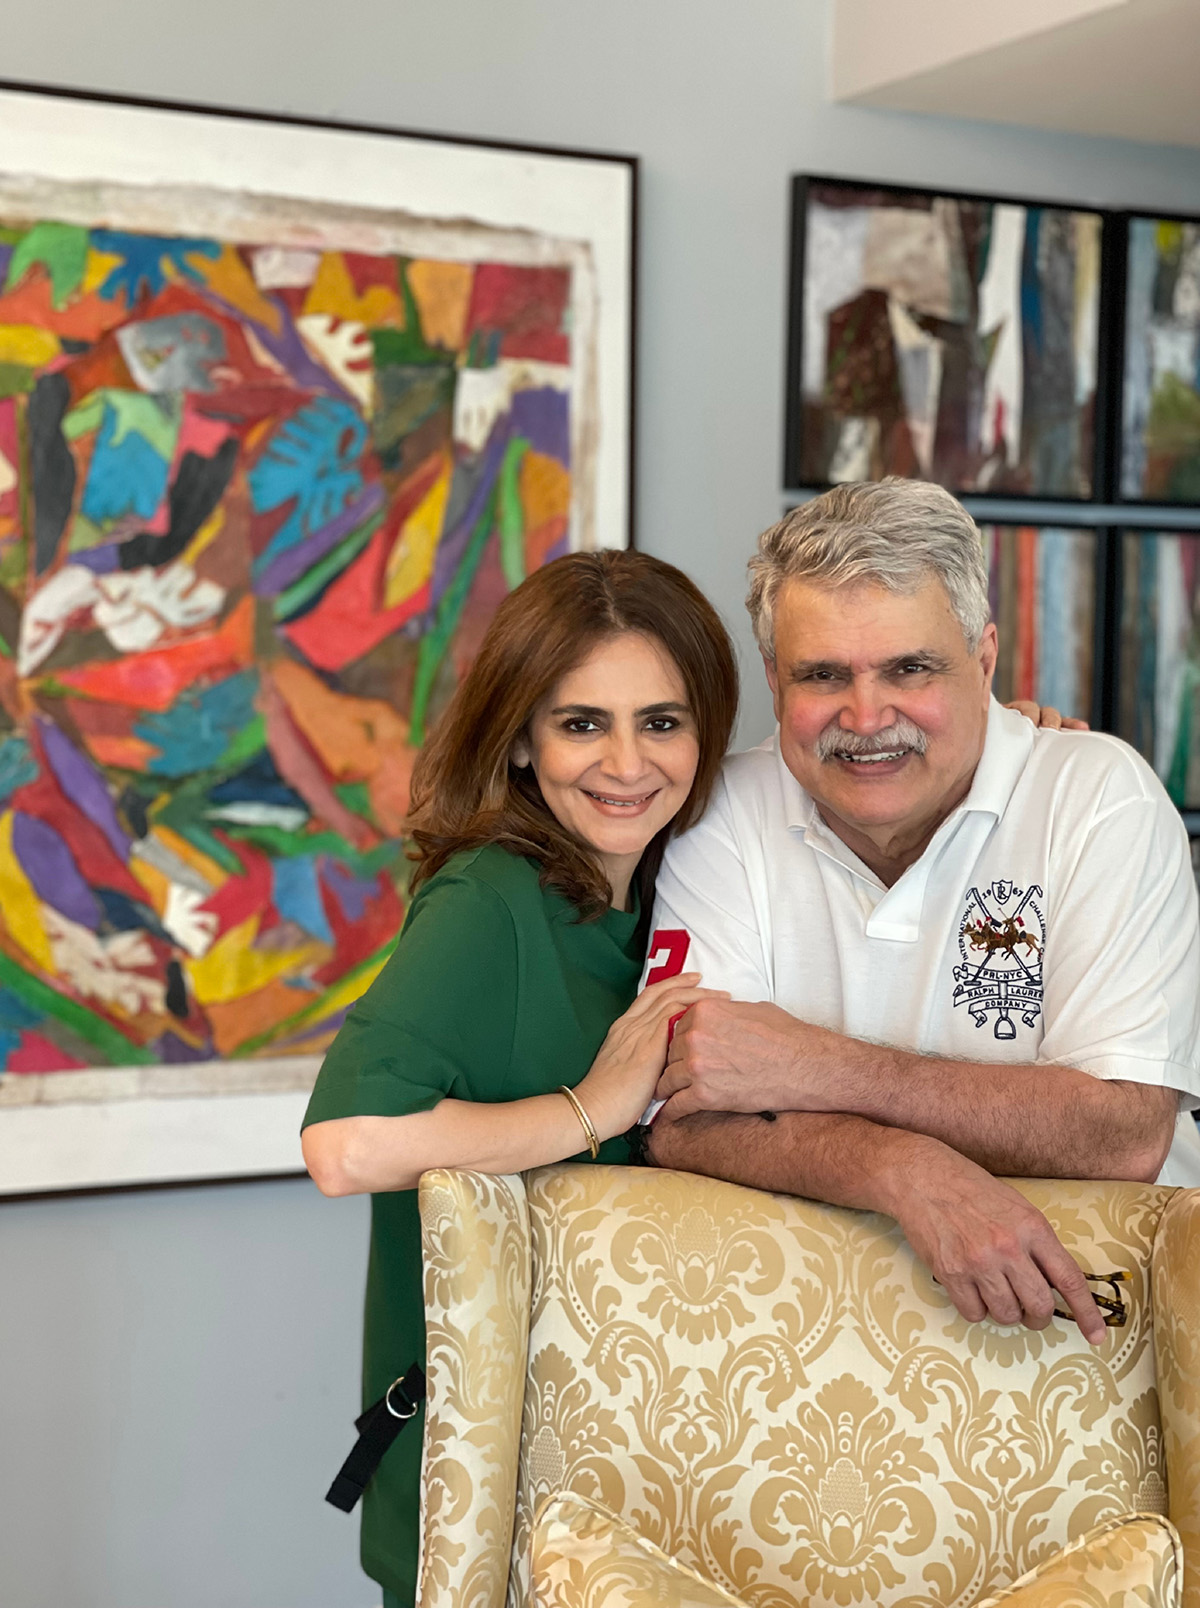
[(377, 1429)]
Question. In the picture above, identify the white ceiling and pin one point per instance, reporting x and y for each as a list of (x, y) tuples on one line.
[(1129, 68)]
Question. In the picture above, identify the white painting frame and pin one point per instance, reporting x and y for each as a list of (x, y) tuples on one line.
[(147, 1125)]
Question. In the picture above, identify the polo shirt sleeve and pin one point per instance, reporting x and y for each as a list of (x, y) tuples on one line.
[(440, 1017), (1122, 963), (704, 912)]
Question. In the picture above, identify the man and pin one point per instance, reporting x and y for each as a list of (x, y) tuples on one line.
[(959, 948)]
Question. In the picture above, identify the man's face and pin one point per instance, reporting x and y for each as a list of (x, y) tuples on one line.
[(882, 711)]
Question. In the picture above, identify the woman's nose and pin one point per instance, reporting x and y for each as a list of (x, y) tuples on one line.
[(624, 757)]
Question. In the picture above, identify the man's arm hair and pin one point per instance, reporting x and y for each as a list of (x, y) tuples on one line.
[(1028, 1121), (843, 1160)]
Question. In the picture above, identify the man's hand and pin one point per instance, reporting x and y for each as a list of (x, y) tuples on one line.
[(1046, 715), (993, 1253), (729, 1056)]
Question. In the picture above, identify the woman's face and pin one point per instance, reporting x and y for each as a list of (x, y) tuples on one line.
[(614, 748)]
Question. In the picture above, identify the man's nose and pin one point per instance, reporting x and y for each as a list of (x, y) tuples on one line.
[(868, 707)]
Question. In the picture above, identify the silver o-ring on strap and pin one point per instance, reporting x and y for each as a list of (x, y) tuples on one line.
[(387, 1401)]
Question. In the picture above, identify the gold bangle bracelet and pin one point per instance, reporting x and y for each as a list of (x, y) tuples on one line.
[(592, 1141)]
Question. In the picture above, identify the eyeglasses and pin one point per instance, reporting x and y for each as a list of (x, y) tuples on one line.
[(1112, 1307)]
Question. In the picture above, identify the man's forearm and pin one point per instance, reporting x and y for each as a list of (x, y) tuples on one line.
[(1046, 1121), (1016, 1121), (844, 1160)]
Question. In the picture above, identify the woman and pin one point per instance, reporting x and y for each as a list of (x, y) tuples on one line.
[(592, 724)]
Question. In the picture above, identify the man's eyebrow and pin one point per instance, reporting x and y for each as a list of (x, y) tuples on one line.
[(807, 667), (922, 656)]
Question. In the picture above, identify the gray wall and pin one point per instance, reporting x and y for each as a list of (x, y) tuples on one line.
[(176, 1369)]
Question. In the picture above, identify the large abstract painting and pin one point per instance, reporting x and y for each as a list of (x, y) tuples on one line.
[(1160, 443), (951, 338), (1042, 588), (1158, 707), (274, 443)]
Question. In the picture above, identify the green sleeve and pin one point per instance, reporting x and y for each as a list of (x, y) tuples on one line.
[(438, 1020)]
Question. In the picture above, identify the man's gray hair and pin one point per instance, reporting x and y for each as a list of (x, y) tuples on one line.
[(893, 533)]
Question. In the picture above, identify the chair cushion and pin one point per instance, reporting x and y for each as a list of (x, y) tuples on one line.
[(586, 1557), (1135, 1561)]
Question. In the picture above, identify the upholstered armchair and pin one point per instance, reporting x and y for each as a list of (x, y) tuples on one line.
[(647, 1387)]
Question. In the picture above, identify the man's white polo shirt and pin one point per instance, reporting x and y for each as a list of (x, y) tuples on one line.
[(1053, 917)]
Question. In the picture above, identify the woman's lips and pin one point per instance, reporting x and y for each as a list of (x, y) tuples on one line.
[(613, 804)]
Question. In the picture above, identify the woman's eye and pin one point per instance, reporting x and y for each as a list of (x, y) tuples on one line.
[(579, 726), (662, 723)]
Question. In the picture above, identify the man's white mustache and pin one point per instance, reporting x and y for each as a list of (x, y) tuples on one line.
[(902, 736)]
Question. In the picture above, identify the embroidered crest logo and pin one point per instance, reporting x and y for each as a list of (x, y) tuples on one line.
[(1001, 939)]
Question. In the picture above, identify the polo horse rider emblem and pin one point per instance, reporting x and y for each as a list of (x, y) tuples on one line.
[(1001, 939)]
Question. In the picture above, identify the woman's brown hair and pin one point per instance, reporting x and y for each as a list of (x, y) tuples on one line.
[(466, 792)]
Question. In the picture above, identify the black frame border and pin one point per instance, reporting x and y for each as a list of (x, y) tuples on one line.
[(1123, 220), (1102, 423)]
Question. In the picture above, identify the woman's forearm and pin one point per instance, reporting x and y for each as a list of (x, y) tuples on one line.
[(369, 1155)]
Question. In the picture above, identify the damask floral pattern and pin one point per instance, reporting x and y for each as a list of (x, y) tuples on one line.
[(778, 1396)]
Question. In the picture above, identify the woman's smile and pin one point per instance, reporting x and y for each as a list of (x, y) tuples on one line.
[(624, 806)]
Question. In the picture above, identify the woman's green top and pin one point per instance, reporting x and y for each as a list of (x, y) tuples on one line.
[(496, 991)]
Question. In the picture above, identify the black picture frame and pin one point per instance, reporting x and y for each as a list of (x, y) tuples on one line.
[(1155, 662), (1102, 419), (1123, 227)]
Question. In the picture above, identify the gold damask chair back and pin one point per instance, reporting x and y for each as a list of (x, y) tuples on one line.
[(777, 1394)]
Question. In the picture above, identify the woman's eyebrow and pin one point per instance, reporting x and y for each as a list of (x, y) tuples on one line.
[(594, 711)]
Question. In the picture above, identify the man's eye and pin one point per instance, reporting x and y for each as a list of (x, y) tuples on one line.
[(913, 668)]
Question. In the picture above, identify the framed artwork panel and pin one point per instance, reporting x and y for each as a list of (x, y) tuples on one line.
[(1158, 711), (1160, 398), (286, 410), (947, 337), (1042, 585)]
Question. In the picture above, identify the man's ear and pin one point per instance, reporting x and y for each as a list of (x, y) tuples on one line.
[(989, 647)]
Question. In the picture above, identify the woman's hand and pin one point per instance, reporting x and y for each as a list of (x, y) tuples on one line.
[(621, 1082), (1047, 716)]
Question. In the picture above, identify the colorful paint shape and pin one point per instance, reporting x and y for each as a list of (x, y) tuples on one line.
[(257, 504), (1042, 590)]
